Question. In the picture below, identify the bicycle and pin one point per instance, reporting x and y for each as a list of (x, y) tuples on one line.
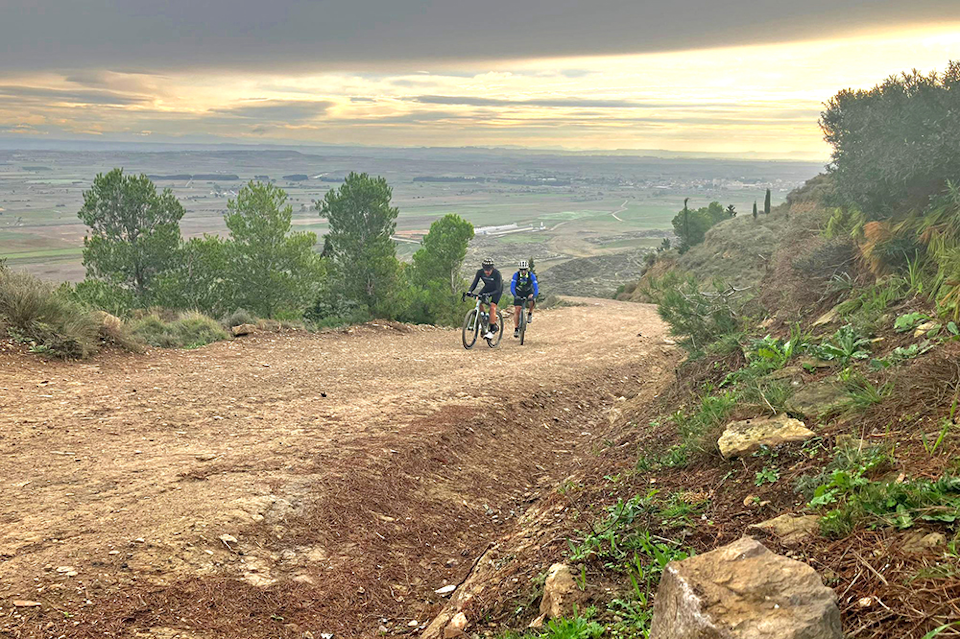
[(523, 319), (478, 319)]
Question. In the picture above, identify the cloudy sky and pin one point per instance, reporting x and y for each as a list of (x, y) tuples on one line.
[(737, 76)]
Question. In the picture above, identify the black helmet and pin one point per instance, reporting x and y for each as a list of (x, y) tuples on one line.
[(487, 262)]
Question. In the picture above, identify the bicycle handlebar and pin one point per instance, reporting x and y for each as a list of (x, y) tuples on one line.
[(482, 296)]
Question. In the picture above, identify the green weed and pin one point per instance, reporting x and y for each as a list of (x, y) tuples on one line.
[(769, 475), (844, 346), (862, 393), (946, 425)]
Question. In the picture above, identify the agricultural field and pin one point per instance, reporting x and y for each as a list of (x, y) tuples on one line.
[(563, 206)]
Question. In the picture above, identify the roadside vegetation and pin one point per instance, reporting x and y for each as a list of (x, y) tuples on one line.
[(840, 309), (166, 291)]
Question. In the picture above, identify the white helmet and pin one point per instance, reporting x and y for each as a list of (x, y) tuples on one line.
[(523, 265)]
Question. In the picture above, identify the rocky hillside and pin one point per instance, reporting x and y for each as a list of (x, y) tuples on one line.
[(815, 412)]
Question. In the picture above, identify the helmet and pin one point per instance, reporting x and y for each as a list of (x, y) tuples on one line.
[(487, 262), (523, 265)]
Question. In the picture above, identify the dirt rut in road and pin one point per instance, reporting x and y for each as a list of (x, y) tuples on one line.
[(297, 483)]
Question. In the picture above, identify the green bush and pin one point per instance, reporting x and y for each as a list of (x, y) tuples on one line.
[(238, 317), (34, 312), (102, 296), (895, 145), (188, 330), (698, 317)]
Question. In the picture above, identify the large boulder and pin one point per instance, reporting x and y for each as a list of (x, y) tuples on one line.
[(745, 436), (743, 591)]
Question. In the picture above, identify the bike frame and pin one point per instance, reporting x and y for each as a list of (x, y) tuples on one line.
[(480, 305)]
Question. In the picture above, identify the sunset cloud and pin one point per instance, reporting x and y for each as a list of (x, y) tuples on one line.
[(757, 99)]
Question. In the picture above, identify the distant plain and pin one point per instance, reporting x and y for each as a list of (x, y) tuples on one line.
[(575, 205)]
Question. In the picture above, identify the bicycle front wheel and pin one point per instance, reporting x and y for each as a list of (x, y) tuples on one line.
[(493, 343), (523, 324), (471, 329)]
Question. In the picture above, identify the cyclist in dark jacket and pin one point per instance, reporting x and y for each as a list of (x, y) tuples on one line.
[(493, 286), (524, 287)]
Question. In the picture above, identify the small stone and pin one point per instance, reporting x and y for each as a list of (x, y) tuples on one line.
[(446, 590), (230, 539), (456, 626), (560, 592), (815, 400), (918, 543), (114, 552), (791, 529), (26, 603), (865, 602), (830, 316), (243, 329), (205, 456), (413, 623), (66, 569)]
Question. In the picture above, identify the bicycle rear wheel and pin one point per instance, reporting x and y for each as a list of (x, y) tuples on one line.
[(471, 329), (493, 343)]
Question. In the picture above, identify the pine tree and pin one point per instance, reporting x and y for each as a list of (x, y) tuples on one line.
[(134, 231), (360, 247)]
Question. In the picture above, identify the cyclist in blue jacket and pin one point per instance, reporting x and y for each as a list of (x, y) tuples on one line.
[(524, 287)]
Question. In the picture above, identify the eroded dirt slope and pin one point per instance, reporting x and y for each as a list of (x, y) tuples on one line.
[(285, 484)]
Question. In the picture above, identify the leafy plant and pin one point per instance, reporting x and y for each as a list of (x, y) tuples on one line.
[(845, 345), (885, 503), (909, 321), (901, 354), (769, 475)]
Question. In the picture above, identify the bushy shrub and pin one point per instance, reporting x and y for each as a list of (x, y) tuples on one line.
[(698, 317), (102, 296), (895, 145), (238, 317), (188, 330), (835, 257), (331, 308), (34, 312)]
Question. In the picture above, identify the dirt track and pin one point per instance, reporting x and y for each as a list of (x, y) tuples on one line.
[(322, 483)]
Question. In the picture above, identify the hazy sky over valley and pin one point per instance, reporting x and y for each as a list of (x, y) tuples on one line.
[(742, 76)]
